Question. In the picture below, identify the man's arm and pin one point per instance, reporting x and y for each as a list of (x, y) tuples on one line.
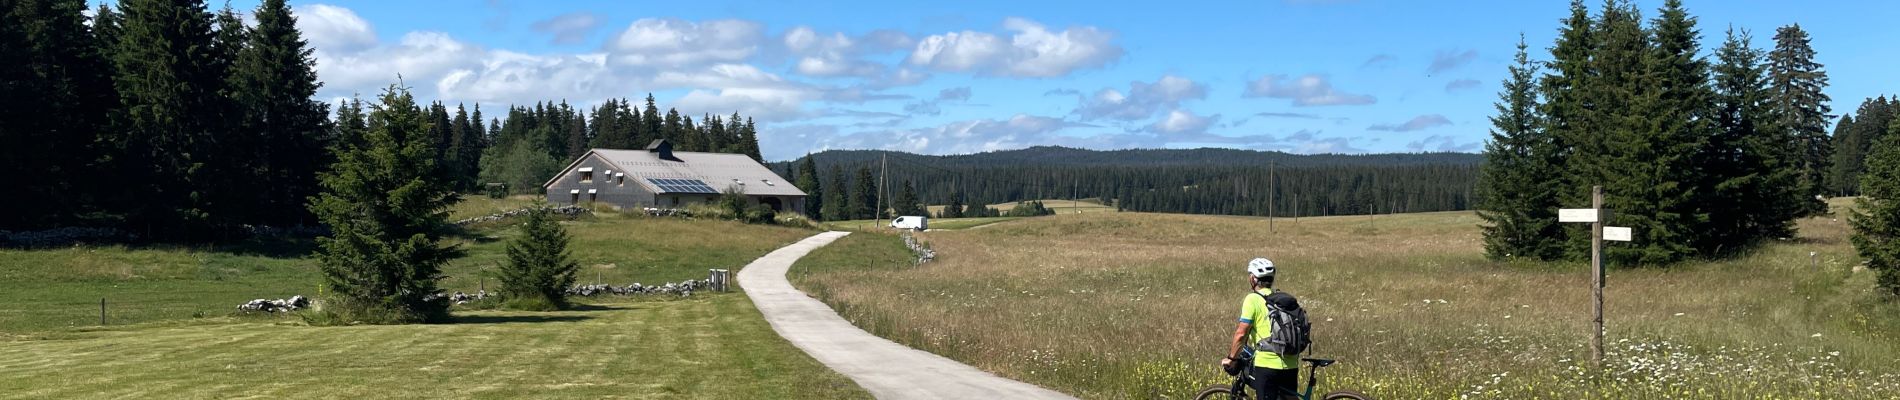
[(1240, 336)]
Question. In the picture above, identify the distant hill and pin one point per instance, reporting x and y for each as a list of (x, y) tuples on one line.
[(1067, 156), (1197, 181)]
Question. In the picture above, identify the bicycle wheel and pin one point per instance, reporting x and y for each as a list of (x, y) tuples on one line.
[(1345, 395), (1219, 392)]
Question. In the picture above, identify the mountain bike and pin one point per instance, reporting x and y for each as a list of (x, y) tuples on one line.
[(1238, 390)]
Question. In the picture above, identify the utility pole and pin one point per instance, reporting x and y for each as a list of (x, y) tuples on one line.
[(1270, 197), (883, 169)]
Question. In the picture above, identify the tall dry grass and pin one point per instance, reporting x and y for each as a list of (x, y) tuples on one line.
[(1123, 305)]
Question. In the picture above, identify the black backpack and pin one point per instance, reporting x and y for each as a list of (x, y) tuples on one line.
[(1290, 334)]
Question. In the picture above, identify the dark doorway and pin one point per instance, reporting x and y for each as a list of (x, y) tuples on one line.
[(773, 202)]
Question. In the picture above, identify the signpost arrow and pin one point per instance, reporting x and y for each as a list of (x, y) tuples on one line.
[(1616, 233)]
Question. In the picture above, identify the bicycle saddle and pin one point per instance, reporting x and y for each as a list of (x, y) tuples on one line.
[(1318, 362)]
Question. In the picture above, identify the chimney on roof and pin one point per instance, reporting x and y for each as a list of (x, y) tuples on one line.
[(665, 149)]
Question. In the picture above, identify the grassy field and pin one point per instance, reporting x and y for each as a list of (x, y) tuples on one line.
[(706, 347), (1128, 305), (60, 288), (174, 333)]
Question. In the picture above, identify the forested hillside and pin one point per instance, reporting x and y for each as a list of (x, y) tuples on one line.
[(1195, 181)]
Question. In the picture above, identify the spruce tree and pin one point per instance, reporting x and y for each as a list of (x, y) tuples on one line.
[(1755, 198), (807, 181), (651, 127), (386, 208), (55, 98), (1799, 106), (836, 205), (748, 138), (1569, 118), (576, 136), (275, 79), (539, 268), (1849, 152), (1516, 199), (906, 202), (1876, 220), (955, 207), (1676, 123), (1853, 140), (864, 196), (1878, 215), (172, 111), (674, 127)]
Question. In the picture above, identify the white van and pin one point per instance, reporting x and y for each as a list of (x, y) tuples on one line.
[(911, 222)]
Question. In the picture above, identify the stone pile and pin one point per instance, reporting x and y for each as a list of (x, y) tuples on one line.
[(682, 289), (293, 303), (458, 297), (924, 254), (666, 212), (565, 211)]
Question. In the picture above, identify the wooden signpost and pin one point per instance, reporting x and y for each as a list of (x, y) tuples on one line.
[(1598, 233)]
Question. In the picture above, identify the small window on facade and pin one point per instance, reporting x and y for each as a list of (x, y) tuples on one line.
[(676, 200), (574, 197), (587, 176)]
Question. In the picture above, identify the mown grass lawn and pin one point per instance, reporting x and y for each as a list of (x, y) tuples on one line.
[(705, 347), (173, 331), (1132, 305)]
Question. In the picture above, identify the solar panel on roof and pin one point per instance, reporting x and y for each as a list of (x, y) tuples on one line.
[(668, 185)]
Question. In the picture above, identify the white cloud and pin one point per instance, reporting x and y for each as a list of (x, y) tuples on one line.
[(1308, 90), (1032, 51), (568, 28), (1182, 121), (676, 43), (332, 28), (1379, 61), (1421, 122), (932, 106), (1443, 143), (1461, 84), (1448, 60), (1142, 100)]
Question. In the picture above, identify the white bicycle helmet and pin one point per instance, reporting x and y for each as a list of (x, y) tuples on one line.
[(1260, 268)]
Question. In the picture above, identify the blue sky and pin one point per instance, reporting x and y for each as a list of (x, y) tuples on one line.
[(1304, 76)]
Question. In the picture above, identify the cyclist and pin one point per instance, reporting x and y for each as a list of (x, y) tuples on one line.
[(1271, 374)]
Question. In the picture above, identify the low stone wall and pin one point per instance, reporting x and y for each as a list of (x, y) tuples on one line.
[(61, 237), (682, 289), (924, 253), (565, 211), (293, 303)]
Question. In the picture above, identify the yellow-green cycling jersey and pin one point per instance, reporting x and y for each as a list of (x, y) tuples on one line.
[(1253, 311)]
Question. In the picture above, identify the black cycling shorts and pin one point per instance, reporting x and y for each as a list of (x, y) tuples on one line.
[(1269, 382)]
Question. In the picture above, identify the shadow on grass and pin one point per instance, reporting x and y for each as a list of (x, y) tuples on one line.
[(511, 319)]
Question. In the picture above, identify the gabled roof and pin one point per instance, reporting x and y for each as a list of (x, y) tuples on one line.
[(719, 170)]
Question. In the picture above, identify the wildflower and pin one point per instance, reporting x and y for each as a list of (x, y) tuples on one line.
[(1816, 335), (1678, 314)]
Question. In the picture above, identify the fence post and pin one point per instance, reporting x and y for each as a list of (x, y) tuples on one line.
[(102, 311)]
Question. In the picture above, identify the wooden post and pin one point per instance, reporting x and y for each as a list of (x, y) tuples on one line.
[(102, 311), (1596, 276), (1270, 197), (883, 169)]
